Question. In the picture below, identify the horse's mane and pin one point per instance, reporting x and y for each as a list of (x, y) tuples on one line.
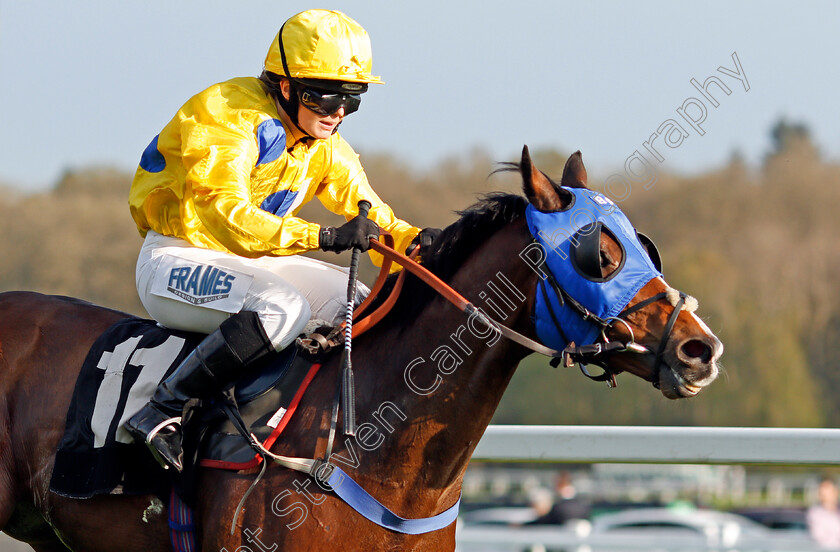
[(475, 225), (454, 245)]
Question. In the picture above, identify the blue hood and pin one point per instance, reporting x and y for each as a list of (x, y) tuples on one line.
[(558, 234)]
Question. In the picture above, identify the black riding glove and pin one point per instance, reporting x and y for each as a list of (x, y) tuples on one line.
[(356, 233), (424, 240)]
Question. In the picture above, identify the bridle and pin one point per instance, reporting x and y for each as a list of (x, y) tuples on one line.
[(597, 353)]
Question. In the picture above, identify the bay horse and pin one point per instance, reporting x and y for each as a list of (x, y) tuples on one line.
[(428, 381)]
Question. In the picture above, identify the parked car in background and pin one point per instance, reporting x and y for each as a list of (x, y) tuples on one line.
[(706, 527), (783, 519)]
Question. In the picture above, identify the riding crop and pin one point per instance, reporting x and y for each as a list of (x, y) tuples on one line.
[(348, 397)]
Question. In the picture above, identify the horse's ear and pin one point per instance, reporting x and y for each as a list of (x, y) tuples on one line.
[(574, 173), (539, 189)]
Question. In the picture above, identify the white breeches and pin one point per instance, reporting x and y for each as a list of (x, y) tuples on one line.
[(188, 288)]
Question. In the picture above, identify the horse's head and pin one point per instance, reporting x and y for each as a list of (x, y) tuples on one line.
[(600, 293)]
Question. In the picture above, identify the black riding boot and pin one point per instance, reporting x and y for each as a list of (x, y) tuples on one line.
[(222, 358)]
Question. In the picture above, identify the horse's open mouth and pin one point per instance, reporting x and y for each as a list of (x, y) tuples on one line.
[(674, 386), (688, 389)]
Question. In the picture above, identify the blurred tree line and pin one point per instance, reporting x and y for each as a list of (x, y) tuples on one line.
[(756, 246)]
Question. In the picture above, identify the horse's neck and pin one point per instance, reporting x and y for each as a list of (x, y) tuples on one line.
[(430, 388)]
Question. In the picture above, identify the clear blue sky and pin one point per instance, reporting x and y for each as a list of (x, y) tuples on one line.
[(91, 82)]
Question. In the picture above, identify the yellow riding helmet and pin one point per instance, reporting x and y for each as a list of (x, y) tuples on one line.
[(322, 45)]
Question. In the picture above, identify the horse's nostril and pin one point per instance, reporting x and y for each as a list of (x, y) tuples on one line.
[(694, 348)]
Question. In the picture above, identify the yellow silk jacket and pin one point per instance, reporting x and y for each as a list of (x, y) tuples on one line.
[(227, 174)]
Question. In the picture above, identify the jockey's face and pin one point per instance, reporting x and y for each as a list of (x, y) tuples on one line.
[(319, 126), (314, 124)]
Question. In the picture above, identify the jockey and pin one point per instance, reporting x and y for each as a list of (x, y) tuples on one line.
[(216, 197)]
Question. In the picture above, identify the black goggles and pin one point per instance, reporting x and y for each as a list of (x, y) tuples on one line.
[(327, 103)]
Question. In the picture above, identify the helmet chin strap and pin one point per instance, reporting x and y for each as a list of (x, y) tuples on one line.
[(290, 106)]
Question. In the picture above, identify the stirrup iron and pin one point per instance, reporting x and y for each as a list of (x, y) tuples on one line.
[(174, 421)]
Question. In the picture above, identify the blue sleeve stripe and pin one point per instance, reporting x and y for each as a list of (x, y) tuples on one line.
[(152, 159), (279, 203), (272, 140)]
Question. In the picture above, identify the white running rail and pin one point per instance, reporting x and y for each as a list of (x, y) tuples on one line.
[(668, 445)]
